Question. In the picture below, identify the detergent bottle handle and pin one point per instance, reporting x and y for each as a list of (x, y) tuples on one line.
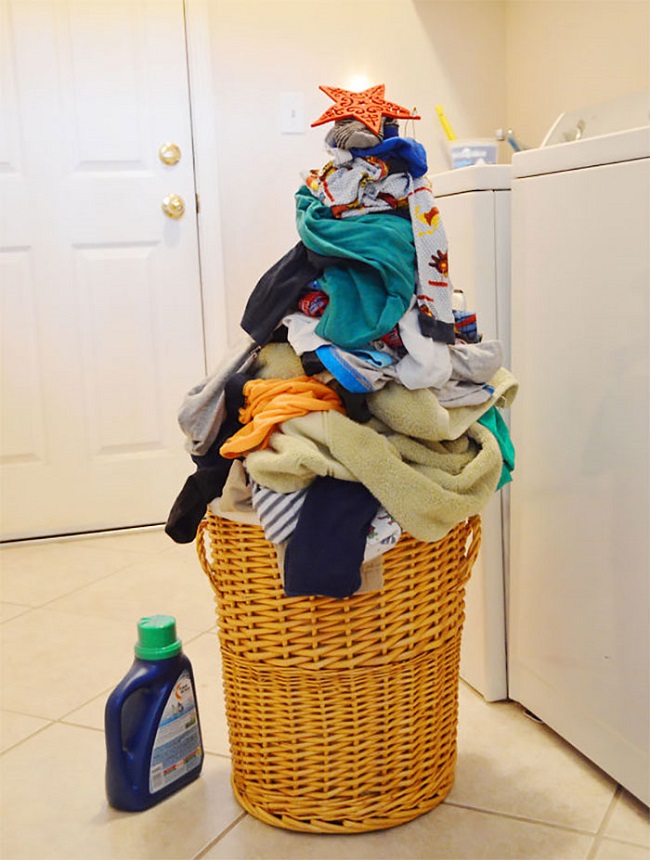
[(113, 714)]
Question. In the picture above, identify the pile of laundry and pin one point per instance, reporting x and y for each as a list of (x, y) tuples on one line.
[(360, 401)]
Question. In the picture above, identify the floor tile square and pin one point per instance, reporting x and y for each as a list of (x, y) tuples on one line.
[(630, 820), (508, 763), (54, 805), (53, 662), (608, 849), (35, 574), (170, 582)]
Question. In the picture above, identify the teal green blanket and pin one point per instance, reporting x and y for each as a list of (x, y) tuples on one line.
[(370, 295)]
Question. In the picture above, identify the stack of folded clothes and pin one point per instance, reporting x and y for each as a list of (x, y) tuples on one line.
[(360, 402)]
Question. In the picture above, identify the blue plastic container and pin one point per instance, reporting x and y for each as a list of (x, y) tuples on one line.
[(151, 720)]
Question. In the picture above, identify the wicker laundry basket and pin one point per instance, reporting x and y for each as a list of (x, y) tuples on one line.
[(342, 714)]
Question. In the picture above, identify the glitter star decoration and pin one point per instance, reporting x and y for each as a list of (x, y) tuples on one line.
[(368, 106)]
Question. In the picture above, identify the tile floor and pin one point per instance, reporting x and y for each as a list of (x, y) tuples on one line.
[(68, 625)]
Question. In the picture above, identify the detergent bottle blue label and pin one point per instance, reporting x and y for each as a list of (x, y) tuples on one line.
[(177, 746)]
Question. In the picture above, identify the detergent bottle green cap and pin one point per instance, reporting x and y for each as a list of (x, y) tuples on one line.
[(157, 638)]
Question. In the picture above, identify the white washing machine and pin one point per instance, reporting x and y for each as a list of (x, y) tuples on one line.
[(579, 652), (475, 206)]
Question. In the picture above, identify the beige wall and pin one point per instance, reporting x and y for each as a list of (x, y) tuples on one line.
[(516, 63), (566, 54)]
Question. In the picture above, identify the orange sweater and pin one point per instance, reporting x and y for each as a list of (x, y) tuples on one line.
[(269, 402)]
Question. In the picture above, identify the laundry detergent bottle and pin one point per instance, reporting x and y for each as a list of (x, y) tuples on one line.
[(151, 721)]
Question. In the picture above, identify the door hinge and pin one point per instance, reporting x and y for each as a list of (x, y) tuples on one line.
[(198, 203)]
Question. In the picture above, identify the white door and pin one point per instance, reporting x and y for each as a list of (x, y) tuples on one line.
[(100, 291)]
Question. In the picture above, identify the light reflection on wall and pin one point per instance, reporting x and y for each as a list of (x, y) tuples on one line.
[(357, 83)]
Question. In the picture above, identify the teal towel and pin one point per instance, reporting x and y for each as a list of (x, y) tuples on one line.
[(366, 300), (494, 422)]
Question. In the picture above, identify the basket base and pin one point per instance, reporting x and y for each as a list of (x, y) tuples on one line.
[(349, 825)]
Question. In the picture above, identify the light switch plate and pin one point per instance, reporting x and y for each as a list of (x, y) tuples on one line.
[(292, 113)]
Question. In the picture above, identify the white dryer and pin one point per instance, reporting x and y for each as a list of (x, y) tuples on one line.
[(579, 651), (475, 206)]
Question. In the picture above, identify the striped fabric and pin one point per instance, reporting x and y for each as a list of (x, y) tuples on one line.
[(278, 512)]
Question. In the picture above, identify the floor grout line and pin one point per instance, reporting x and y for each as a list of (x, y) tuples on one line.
[(29, 737), (62, 721), (617, 840), (218, 755), (218, 839), (47, 605), (604, 823), (77, 588), (514, 817)]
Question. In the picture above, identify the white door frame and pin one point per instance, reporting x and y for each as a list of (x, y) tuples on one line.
[(203, 105)]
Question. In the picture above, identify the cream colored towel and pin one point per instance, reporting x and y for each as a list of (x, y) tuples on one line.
[(419, 413), (429, 466), (427, 487)]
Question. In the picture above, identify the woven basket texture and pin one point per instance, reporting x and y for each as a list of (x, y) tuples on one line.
[(342, 714)]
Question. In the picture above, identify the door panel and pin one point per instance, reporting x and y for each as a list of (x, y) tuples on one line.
[(123, 409), (22, 424), (101, 299)]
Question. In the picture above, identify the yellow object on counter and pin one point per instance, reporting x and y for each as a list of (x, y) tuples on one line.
[(444, 122)]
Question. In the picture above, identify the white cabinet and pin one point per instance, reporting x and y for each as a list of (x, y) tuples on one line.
[(579, 653), (475, 206)]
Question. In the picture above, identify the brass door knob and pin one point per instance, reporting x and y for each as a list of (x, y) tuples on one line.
[(169, 153), (173, 206)]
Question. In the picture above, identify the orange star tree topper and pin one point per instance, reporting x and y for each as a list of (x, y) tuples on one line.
[(368, 106)]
